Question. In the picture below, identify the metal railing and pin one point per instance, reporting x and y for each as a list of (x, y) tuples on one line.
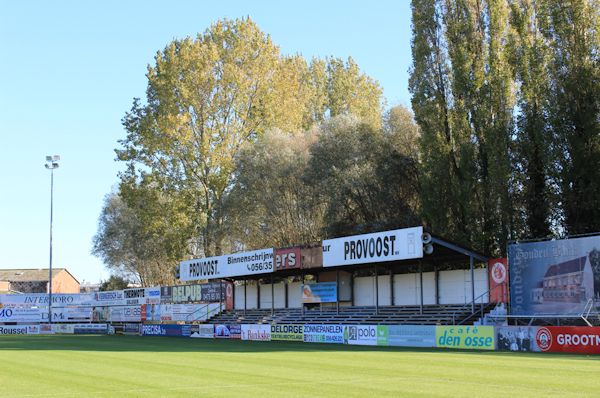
[(196, 315), (472, 304)]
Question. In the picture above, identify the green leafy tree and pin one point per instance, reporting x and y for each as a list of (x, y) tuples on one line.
[(114, 282)]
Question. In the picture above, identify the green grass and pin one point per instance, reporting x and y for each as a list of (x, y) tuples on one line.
[(131, 366)]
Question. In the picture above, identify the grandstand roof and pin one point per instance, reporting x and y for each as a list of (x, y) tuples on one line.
[(30, 274)]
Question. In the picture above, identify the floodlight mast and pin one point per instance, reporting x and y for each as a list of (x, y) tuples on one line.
[(51, 164)]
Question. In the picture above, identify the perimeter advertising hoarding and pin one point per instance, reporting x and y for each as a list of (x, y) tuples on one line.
[(8, 314), (21, 329), (41, 299), (361, 334), (324, 292), (113, 297), (410, 336), (223, 331), (229, 265), (465, 337), (572, 339), (203, 331), (256, 332), (554, 277), (166, 330), (147, 295), (132, 313), (324, 334), (287, 332), (400, 244)]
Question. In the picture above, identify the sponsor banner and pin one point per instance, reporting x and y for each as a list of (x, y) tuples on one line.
[(101, 314), (203, 331), (289, 258), (312, 257), (498, 280), (238, 264), (46, 329), (206, 292), (115, 297), (63, 328), (166, 294), (130, 313), (400, 244), (361, 334), (467, 337), (228, 295), (139, 296), (41, 299), (18, 314), (409, 336), (324, 334), (228, 331), (556, 277), (90, 328), (21, 329), (324, 292), (166, 330), (517, 338), (574, 339), (287, 332), (131, 328), (69, 314), (256, 332)]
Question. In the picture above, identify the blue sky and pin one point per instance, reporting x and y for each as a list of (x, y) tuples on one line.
[(70, 69)]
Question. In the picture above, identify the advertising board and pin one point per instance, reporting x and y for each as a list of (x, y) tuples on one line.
[(466, 337), (287, 332), (166, 330), (324, 292), (41, 299), (324, 334), (516, 338), (229, 265), (223, 331), (114, 297), (203, 331), (361, 334), (498, 280), (411, 336), (129, 313), (288, 258), (571, 339), (18, 314), (90, 328), (139, 296), (400, 244), (21, 329), (256, 332), (557, 277)]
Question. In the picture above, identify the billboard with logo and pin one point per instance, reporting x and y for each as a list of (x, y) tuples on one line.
[(324, 292), (411, 336), (287, 332), (558, 277), (572, 339), (228, 331), (41, 299), (256, 332), (21, 329), (129, 313), (166, 330), (114, 297), (465, 337), (139, 296), (400, 244), (362, 334), (324, 334), (229, 265), (288, 258), (203, 331), (17, 314)]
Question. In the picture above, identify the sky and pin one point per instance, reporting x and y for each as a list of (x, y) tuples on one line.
[(69, 71)]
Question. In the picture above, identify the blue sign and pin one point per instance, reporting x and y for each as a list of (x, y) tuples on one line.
[(558, 277), (324, 292), (167, 330)]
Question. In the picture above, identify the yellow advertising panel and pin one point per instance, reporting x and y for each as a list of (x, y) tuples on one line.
[(465, 337)]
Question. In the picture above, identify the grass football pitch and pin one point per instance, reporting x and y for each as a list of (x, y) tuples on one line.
[(132, 366)]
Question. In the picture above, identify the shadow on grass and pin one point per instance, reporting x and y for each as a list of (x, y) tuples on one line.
[(118, 343)]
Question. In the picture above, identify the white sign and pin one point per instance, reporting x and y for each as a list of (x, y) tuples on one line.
[(362, 334), (21, 329), (114, 297), (147, 295), (131, 313), (205, 331), (324, 334), (69, 314), (256, 332), (41, 299), (229, 265), (400, 244), (17, 314)]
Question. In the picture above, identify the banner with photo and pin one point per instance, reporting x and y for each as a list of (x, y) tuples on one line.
[(557, 277), (400, 244), (324, 292), (256, 332), (287, 332), (324, 334), (411, 336), (465, 337), (203, 331), (571, 339), (226, 331)]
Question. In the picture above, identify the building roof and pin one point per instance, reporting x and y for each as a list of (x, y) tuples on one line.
[(30, 274), (568, 267)]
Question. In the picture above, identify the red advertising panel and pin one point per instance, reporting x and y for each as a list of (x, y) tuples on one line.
[(575, 339), (498, 277), (228, 295), (288, 258)]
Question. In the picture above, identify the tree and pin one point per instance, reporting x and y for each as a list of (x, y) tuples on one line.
[(114, 282), (271, 204), (365, 182)]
